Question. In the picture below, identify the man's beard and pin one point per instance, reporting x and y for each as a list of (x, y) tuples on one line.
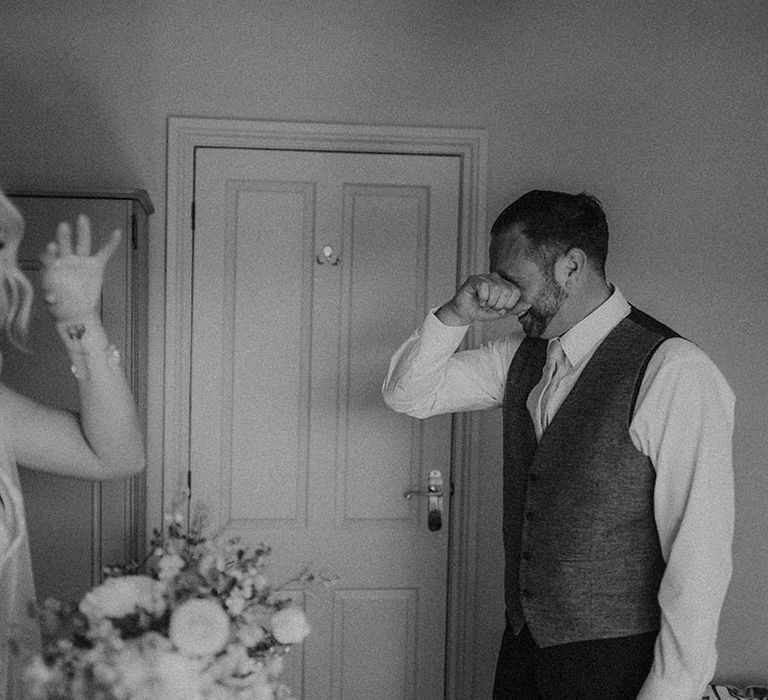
[(544, 307)]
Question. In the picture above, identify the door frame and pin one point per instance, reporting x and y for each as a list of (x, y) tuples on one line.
[(184, 135)]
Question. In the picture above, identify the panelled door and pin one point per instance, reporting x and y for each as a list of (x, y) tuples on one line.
[(309, 269)]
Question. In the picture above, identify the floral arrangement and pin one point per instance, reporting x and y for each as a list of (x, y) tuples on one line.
[(203, 623)]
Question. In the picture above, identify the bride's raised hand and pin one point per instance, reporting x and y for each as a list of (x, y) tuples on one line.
[(72, 277)]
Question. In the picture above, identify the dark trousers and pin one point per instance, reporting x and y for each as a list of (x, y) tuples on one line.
[(601, 669)]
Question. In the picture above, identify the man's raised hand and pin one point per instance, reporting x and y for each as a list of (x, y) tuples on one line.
[(485, 297)]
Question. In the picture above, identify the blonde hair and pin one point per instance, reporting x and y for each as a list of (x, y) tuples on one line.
[(16, 292)]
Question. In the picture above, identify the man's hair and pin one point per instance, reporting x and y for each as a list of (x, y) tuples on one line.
[(555, 222)]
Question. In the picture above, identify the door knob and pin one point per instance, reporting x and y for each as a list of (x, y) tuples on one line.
[(434, 494), (328, 256)]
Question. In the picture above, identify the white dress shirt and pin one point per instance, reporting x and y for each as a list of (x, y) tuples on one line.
[(683, 422)]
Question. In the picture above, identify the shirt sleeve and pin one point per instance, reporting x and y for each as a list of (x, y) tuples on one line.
[(427, 377), (684, 422)]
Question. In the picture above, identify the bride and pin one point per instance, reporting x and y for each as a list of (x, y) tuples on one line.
[(103, 441)]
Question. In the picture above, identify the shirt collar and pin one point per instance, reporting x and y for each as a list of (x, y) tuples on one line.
[(579, 340)]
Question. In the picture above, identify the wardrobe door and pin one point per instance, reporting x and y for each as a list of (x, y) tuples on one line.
[(76, 527)]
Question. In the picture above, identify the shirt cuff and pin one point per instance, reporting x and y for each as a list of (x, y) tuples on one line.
[(435, 329)]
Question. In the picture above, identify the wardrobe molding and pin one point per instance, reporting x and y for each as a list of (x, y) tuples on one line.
[(470, 145)]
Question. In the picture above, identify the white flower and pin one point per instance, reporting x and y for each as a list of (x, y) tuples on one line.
[(132, 671), (123, 595), (105, 672), (177, 676), (168, 566), (102, 629), (290, 625), (214, 649), (199, 627), (274, 666), (246, 587), (250, 634), (206, 563), (36, 676), (150, 671), (235, 573), (235, 603)]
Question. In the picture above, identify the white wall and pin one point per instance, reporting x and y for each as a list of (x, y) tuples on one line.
[(656, 107)]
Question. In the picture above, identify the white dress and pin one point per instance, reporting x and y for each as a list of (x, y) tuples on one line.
[(19, 632)]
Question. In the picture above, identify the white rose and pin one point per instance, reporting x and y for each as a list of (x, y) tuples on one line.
[(290, 625), (123, 595), (199, 627)]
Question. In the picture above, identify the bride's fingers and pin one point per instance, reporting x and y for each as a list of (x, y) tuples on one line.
[(64, 238), (105, 252), (83, 236), (51, 254)]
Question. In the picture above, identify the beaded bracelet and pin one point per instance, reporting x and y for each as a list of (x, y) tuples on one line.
[(113, 358)]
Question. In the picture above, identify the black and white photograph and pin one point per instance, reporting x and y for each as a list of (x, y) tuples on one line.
[(383, 350)]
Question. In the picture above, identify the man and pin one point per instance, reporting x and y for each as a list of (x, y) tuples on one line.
[(618, 484)]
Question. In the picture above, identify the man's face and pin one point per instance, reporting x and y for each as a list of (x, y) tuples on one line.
[(541, 297)]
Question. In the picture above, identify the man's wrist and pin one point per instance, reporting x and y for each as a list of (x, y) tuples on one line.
[(448, 315)]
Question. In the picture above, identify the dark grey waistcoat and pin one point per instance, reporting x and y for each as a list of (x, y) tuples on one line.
[(582, 553)]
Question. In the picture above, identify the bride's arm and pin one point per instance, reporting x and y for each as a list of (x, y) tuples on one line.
[(104, 440)]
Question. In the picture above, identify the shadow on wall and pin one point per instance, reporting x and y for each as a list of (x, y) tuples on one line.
[(56, 131)]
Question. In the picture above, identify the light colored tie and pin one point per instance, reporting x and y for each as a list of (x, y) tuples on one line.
[(554, 370)]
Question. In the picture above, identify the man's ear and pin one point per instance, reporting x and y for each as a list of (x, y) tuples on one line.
[(570, 268)]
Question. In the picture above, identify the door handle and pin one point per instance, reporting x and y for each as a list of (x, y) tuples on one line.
[(434, 494)]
